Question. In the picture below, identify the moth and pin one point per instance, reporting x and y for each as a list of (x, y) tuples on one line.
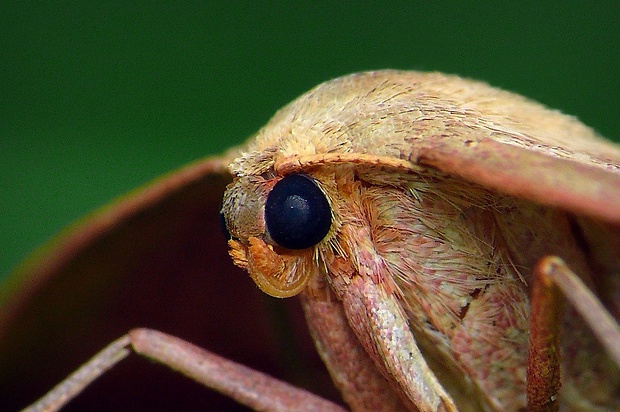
[(454, 247)]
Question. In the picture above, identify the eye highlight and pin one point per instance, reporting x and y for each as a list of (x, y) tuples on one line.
[(297, 213)]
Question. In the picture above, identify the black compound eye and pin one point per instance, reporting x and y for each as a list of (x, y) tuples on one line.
[(297, 214)]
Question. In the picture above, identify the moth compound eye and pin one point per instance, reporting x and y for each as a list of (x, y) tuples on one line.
[(297, 214)]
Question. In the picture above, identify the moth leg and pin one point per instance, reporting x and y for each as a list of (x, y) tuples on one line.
[(553, 281), (353, 372), (602, 323), (86, 374), (543, 361), (383, 329), (247, 386)]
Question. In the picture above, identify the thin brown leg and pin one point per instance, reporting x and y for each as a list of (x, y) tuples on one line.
[(543, 361), (553, 280), (86, 374), (247, 386), (603, 325)]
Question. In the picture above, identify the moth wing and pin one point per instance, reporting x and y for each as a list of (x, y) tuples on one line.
[(589, 188), (156, 258)]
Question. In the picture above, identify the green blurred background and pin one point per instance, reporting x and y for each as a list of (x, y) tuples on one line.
[(96, 98)]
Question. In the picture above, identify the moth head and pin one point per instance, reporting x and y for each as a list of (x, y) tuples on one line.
[(275, 223), (285, 214)]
